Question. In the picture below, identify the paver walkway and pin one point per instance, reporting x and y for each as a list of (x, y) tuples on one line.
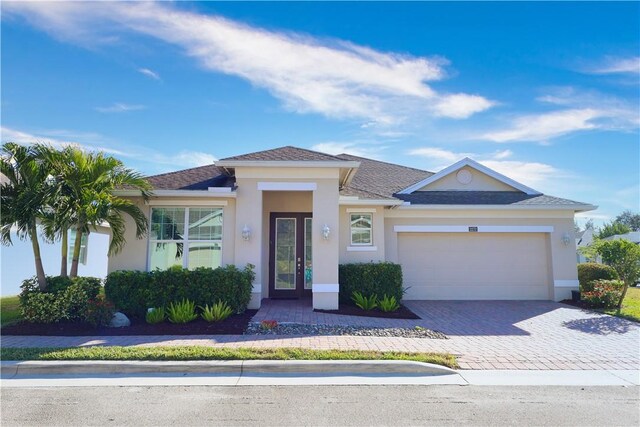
[(483, 334)]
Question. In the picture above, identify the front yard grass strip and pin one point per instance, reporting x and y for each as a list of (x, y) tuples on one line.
[(216, 353), (630, 306), (9, 309)]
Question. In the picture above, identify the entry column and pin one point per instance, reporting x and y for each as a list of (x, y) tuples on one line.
[(248, 234), (325, 243)]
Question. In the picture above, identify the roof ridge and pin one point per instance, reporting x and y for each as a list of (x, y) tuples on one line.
[(270, 150), (181, 170), (386, 163)]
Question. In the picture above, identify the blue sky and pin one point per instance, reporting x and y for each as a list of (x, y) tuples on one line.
[(546, 93)]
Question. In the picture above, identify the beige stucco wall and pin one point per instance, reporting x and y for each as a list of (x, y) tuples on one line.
[(135, 253), (254, 207), (348, 253), (562, 261), (480, 182)]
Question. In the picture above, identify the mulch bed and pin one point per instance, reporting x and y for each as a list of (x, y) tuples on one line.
[(234, 325), (351, 310)]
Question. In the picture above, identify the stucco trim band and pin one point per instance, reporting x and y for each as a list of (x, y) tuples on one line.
[(325, 287), (473, 228), (287, 186), (566, 283)]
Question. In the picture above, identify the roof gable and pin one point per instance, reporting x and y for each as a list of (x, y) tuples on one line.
[(452, 177)]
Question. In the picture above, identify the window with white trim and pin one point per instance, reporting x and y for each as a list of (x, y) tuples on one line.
[(185, 237), (361, 229)]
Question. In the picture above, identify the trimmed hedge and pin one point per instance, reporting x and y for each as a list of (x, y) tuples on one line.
[(590, 271), (604, 293), (383, 278), (63, 299), (133, 292)]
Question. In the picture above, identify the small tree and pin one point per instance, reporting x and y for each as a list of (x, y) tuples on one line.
[(630, 219), (624, 257), (613, 228)]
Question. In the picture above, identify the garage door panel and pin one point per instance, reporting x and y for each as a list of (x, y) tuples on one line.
[(474, 266)]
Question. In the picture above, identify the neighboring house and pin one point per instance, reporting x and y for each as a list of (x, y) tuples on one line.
[(633, 237), (466, 232), (583, 239), (18, 264)]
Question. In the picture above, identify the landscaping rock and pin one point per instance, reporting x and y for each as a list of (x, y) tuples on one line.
[(302, 329), (119, 320)]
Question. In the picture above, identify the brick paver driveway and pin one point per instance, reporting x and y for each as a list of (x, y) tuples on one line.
[(484, 335)]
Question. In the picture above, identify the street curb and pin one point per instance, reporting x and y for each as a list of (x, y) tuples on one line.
[(11, 369)]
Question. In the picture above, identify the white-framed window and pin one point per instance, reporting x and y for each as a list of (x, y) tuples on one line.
[(84, 244), (189, 237), (361, 225)]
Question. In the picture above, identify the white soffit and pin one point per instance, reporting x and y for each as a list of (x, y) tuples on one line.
[(475, 165)]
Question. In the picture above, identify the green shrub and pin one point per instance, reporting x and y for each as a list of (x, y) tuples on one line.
[(219, 311), (383, 278), (387, 304), (99, 311), (590, 271), (182, 312), (63, 299), (155, 315), (41, 307), (365, 303), (604, 294), (133, 292)]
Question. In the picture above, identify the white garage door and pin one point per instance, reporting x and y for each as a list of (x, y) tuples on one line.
[(468, 266)]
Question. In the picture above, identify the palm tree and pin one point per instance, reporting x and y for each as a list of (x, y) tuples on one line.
[(24, 194), (87, 182)]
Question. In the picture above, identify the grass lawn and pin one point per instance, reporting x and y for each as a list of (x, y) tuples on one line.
[(211, 353), (630, 306), (9, 309)]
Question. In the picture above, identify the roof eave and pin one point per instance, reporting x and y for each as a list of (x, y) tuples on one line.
[(178, 193), (575, 208), (288, 164)]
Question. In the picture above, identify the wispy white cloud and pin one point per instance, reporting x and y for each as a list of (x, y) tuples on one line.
[(149, 73), (581, 111), (361, 149), (541, 127), (613, 65), (332, 77), (534, 174), (141, 157), (26, 138), (120, 107)]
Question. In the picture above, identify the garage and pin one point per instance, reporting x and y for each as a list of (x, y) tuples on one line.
[(475, 266)]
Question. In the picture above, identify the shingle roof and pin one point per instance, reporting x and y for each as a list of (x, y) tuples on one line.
[(482, 198), (287, 153), (381, 178), (199, 178)]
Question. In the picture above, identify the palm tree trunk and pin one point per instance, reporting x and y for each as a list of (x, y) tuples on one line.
[(42, 280), (65, 253), (76, 254)]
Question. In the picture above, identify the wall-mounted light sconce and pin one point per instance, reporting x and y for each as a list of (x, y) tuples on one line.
[(246, 233), (566, 239), (326, 231)]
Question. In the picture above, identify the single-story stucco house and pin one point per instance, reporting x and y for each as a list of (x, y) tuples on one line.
[(466, 232)]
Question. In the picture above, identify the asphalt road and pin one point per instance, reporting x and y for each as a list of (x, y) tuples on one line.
[(321, 405)]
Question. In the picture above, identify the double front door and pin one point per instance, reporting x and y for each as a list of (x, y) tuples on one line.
[(290, 268)]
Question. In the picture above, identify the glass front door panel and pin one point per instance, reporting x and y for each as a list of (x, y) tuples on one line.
[(285, 254), (308, 268)]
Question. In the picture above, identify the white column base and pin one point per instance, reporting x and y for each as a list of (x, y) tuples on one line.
[(562, 289), (325, 296), (256, 297)]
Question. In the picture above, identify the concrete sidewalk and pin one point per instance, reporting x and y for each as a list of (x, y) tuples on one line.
[(306, 372)]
